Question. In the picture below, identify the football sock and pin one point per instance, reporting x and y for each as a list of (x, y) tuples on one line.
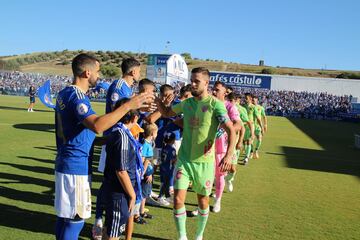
[(180, 221), (201, 221), (247, 150), (71, 229)]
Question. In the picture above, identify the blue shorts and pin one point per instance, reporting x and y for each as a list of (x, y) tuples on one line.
[(32, 99), (146, 189), (117, 214)]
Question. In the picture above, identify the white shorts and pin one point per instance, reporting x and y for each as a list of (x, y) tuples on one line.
[(177, 145), (72, 196), (102, 160)]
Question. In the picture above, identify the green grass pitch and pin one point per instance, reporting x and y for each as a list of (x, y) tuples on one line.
[(306, 185)]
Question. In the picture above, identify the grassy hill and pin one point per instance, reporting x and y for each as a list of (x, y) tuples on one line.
[(59, 63)]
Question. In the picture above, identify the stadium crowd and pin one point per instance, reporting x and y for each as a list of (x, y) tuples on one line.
[(278, 103)]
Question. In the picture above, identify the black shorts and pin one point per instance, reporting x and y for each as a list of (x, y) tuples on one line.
[(32, 99), (117, 214)]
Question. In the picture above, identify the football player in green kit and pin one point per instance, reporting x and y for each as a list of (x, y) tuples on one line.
[(259, 132), (203, 114)]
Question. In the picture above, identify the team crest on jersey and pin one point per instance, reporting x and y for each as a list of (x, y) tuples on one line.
[(208, 184), (122, 228), (115, 97), (82, 109), (205, 108)]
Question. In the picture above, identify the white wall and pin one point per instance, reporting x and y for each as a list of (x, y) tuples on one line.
[(330, 85)]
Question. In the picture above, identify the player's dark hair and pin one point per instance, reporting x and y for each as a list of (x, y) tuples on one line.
[(144, 82), (169, 137), (248, 94), (254, 96), (184, 89), (201, 70), (165, 87), (129, 115), (220, 83), (231, 96), (82, 62), (128, 64)]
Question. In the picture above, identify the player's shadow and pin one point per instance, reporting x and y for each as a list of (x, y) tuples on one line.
[(142, 236), (36, 169), (26, 179), (23, 109), (32, 221), (338, 154), (37, 159), (27, 196), (50, 148), (43, 127)]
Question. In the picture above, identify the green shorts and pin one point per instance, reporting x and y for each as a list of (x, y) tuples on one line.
[(258, 131), (199, 173), (247, 134)]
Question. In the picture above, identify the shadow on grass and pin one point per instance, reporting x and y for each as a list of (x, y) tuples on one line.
[(23, 109), (50, 148), (338, 156), (37, 169), (43, 127), (32, 221), (38, 159)]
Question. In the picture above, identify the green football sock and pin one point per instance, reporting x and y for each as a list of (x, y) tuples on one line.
[(230, 176), (258, 144), (180, 221), (247, 150), (201, 221)]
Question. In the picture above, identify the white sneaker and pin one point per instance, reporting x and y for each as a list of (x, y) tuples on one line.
[(217, 205), (213, 195), (199, 238), (170, 200), (162, 201), (230, 186), (154, 195), (28, 110), (152, 202), (183, 238), (195, 212)]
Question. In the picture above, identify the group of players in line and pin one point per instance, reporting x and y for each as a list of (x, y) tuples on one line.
[(198, 138)]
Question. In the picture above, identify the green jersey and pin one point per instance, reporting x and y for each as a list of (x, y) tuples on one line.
[(243, 113), (250, 108), (201, 121), (260, 111)]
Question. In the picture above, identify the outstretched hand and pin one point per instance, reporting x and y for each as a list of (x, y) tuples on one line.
[(143, 100)]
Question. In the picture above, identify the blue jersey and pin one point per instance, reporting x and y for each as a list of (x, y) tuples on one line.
[(117, 91), (168, 154), (162, 124), (73, 139), (120, 156)]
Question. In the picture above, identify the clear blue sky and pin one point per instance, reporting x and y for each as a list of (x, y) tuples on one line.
[(307, 34)]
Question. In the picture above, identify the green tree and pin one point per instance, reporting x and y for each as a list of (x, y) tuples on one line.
[(110, 71)]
